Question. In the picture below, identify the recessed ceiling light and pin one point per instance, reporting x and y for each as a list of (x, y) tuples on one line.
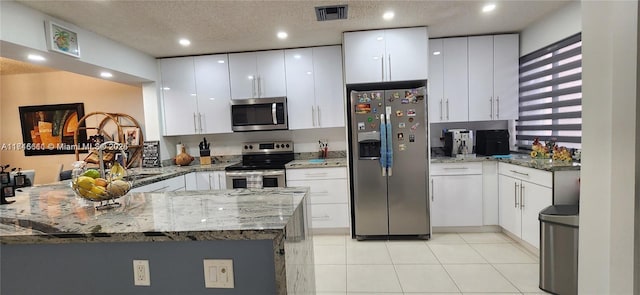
[(283, 35), (308, 73), (106, 75), (488, 7), (35, 57), (166, 88), (184, 42), (221, 61), (193, 94), (379, 38), (297, 56), (388, 15), (436, 53), (212, 98)]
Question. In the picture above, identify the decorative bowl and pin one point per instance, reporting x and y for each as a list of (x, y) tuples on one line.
[(90, 185)]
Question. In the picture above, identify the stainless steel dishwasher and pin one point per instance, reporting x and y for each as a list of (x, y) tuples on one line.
[(559, 249)]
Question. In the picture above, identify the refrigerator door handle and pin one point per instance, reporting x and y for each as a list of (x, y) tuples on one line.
[(389, 143), (432, 191)]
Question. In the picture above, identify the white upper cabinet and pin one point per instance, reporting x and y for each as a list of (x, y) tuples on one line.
[(448, 85), (314, 87), (257, 74), (386, 55), (506, 53), (213, 93), (329, 90), (179, 96), (493, 77), (407, 53), (481, 99), (300, 87)]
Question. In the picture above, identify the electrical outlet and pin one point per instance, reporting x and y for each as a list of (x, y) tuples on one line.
[(141, 275), (218, 273)]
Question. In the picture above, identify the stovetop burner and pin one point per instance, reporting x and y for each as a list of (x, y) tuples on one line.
[(264, 156)]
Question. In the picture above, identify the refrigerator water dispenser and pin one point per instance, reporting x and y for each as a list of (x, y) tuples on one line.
[(369, 145)]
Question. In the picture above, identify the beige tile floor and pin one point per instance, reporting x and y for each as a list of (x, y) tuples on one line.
[(449, 263)]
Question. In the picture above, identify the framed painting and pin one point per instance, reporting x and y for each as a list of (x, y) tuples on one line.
[(62, 39), (49, 129)]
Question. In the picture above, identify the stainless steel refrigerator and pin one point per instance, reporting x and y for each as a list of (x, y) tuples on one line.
[(388, 149)]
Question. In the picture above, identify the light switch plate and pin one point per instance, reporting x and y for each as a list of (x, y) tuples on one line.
[(218, 273)]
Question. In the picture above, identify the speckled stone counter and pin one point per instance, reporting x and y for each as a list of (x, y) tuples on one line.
[(317, 163), (516, 159), (146, 176), (53, 215)]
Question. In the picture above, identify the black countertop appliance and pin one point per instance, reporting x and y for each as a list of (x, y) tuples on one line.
[(492, 142)]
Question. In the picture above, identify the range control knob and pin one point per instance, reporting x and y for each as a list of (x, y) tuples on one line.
[(250, 147), (277, 146), (287, 145), (246, 147)]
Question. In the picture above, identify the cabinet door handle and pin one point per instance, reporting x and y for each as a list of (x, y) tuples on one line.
[(259, 86), (200, 122), (522, 196), (160, 189), (497, 107), (441, 110), (516, 172), (313, 116), (447, 109), (318, 116), (389, 67), (382, 66), (316, 174), (515, 194), (326, 216), (195, 126), (491, 106), (455, 168), (253, 85), (432, 191)]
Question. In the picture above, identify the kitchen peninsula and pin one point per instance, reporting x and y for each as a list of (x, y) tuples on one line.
[(71, 248)]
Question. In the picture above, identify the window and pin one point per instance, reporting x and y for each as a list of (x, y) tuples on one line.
[(551, 95)]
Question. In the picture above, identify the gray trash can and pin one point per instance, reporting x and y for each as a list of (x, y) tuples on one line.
[(559, 249)]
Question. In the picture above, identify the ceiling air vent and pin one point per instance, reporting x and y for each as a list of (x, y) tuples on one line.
[(331, 12)]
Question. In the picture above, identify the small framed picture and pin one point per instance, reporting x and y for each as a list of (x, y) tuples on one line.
[(8, 191), (20, 180), (131, 135), (4, 177), (62, 39)]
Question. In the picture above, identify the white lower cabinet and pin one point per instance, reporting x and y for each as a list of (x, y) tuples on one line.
[(456, 194), (168, 185), (328, 193), (521, 199), (206, 180)]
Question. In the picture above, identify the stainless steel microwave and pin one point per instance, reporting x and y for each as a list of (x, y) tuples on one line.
[(259, 114)]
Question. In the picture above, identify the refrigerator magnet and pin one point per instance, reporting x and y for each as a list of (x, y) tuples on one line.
[(363, 108), (415, 126), (377, 117), (404, 101), (400, 136), (412, 137), (399, 113), (411, 119), (375, 110), (401, 125), (369, 119), (402, 147), (360, 125), (378, 97), (373, 125), (379, 104), (411, 112)]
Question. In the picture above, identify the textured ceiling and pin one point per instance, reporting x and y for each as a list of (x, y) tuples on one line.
[(13, 67), (154, 26)]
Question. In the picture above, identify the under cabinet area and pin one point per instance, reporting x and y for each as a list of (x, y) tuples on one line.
[(524, 192), (456, 194), (328, 192)]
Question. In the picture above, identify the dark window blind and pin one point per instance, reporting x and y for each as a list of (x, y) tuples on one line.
[(550, 105)]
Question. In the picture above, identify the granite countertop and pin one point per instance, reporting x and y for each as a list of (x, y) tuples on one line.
[(144, 176), (53, 214), (317, 163), (516, 159)]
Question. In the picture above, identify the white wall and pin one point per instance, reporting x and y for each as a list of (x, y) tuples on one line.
[(22, 30), (610, 38), (561, 24)]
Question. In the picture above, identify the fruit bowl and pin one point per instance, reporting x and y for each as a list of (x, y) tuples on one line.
[(92, 185)]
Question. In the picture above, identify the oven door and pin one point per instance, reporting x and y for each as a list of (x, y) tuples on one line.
[(255, 179)]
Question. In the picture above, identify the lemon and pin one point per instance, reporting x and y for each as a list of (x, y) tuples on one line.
[(117, 171), (85, 182), (93, 173), (88, 194)]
